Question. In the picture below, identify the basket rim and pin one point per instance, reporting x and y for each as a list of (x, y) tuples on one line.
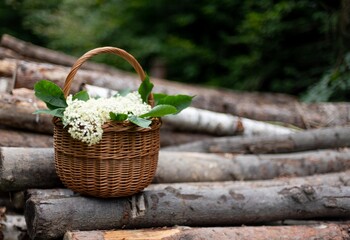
[(123, 125)]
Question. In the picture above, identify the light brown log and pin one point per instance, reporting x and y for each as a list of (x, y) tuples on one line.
[(51, 217), (219, 100), (28, 73), (22, 49), (8, 53), (325, 231), (17, 112), (15, 138), (258, 106), (176, 167), (333, 137), (8, 67)]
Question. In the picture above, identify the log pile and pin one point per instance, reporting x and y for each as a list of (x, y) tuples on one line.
[(265, 161)]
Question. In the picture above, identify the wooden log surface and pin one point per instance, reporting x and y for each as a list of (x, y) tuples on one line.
[(18, 166), (325, 231), (15, 138), (198, 120), (21, 49), (257, 106), (17, 112), (50, 218), (333, 137), (22, 168)]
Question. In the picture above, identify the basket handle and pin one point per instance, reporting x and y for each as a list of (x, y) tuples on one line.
[(117, 51)]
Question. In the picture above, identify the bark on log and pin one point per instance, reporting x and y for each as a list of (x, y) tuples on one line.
[(330, 179), (8, 53), (335, 137), (259, 106), (17, 112), (28, 73), (51, 218), (325, 231), (219, 100), (28, 50), (15, 138), (17, 174), (193, 167), (169, 137), (199, 120), (185, 167)]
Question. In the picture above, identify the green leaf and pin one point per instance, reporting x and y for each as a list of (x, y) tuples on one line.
[(118, 117), (160, 111), (145, 89), (139, 121), (51, 94), (82, 95), (58, 112), (180, 102)]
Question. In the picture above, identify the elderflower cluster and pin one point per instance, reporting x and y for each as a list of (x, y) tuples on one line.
[(86, 118)]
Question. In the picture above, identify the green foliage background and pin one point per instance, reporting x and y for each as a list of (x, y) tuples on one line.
[(296, 47)]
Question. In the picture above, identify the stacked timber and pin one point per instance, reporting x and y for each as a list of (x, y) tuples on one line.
[(265, 161)]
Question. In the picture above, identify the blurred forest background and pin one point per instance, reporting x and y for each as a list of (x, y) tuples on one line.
[(296, 47)]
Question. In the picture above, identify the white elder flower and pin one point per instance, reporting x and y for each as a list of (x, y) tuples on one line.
[(86, 118)]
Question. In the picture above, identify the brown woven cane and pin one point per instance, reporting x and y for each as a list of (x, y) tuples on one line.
[(122, 163)]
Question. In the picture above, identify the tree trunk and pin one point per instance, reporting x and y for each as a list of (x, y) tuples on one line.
[(50, 218), (335, 137), (17, 112), (15, 138), (28, 73), (325, 231), (169, 137), (218, 100), (17, 174), (185, 167), (31, 51), (199, 167), (199, 120)]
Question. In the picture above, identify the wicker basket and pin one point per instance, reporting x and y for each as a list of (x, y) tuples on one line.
[(122, 163)]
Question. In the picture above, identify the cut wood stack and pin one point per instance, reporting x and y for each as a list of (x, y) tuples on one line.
[(232, 159)]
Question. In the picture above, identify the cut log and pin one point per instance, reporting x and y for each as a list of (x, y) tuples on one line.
[(17, 112), (50, 218), (34, 174), (8, 67), (15, 138), (325, 231), (31, 51), (170, 137), (185, 167), (258, 106), (28, 73), (199, 120), (6, 84), (193, 167), (335, 137), (8, 53)]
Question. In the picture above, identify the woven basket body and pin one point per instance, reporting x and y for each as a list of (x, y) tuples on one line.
[(121, 164)]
